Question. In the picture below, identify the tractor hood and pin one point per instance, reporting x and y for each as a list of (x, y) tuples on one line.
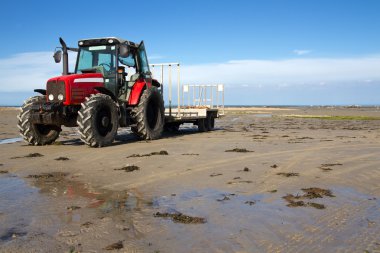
[(73, 89), (88, 77)]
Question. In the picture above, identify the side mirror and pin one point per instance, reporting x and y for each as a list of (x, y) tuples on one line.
[(57, 56), (123, 50)]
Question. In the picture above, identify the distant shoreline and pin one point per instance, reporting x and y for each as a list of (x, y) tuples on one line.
[(244, 107)]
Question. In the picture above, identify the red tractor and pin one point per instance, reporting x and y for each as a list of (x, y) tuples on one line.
[(98, 97)]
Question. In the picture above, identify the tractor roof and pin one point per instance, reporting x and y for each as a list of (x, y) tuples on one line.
[(105, 41)]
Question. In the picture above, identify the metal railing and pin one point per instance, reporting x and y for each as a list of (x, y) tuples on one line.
[(203, 95), (193, 95)]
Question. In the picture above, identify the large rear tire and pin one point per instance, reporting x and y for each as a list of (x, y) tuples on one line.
[(149, 115), (98, 120), (35, 134)]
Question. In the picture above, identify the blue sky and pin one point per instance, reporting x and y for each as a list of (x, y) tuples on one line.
[(265, 52)]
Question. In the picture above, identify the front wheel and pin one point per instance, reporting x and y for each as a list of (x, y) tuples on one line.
[(98, 120), (35, 134), (149, 115)]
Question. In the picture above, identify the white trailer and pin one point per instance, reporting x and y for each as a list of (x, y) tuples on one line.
[(199, 104)]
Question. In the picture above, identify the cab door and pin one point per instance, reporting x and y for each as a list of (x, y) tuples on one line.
[(143, 64)]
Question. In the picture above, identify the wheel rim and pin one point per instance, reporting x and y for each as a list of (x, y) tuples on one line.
[(152, 113), (103, 121)]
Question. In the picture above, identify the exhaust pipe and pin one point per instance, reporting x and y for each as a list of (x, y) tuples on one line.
[(65, 57)]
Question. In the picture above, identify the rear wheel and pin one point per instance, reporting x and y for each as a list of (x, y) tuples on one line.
[(210, 122), (149, 115), (98, 120), (35, 134), (202, 125)]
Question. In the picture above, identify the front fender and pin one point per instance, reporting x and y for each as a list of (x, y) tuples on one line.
[(106, 91)]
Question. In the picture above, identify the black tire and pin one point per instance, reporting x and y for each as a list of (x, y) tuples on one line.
[(210, 122), (202, 125), (35, 134), (98, 120), (149, 115)]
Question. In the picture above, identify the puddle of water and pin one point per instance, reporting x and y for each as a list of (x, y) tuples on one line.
[(70, 211), (259, 222), (54, 208), (57, 185), (10, 140), (263, 115), (16, 200)]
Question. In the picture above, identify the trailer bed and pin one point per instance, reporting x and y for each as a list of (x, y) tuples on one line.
[(189, 114)]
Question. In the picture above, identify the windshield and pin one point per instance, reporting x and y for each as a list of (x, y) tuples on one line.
[(96, 59)]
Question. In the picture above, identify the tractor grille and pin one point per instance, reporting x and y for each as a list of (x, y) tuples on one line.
[(54, 89)]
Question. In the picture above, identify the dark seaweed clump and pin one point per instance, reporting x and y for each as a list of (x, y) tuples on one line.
[(162, 152), (181, 218), (327, 166), (61, 158), (41, 176), (309, 193), (31, 155), (129, 168), (239, 150), (288, 174), (116, 245)]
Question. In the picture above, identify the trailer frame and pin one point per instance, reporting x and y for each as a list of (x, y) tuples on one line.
[(195, 102)]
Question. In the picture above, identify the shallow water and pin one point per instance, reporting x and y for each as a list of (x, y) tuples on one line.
[(55, 204), (263, 115), (240, 222), (10, 140), (16, 201), (52, 205)]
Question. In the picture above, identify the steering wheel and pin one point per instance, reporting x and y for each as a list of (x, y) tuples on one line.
[(105, 64)]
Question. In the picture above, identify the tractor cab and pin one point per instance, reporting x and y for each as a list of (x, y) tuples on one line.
[(119, 61)]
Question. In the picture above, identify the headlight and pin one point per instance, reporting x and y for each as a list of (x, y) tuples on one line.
[(60, 97), (51, 97)]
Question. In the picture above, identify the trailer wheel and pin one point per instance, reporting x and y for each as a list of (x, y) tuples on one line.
[(202, 127), (149, 115), (210, 122), (98, 120), (35, 134)]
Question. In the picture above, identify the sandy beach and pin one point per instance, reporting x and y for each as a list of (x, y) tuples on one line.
[(265, 180)]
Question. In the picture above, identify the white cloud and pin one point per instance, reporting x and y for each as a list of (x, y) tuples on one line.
[(289, 72), (154, 57), (301, 51), (27, 71)]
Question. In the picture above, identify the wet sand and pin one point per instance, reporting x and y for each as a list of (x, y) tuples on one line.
[(286, 184)]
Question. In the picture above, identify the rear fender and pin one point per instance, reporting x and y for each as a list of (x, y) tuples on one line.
[(136, 92), (156, 83)]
